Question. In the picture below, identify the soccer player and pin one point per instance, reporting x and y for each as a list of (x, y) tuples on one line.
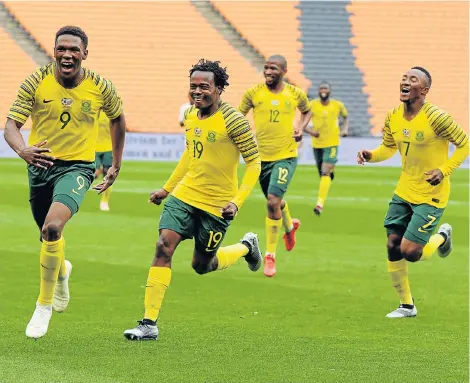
[(421, 132), (325, 138), (104, 155), (204, 191), (274, 104), (63, 100)]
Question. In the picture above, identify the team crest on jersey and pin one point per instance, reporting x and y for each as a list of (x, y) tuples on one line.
[(406, 132), (86, 106), (211, 136), (67, 102), (198, 132), (275, 102), (420, 136)]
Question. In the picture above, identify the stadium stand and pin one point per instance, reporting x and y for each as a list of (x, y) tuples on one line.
[(328, 56), (271, 28), (148, 65), (391, 37), (15, 69)]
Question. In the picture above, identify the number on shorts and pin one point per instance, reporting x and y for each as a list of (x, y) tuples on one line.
[(282, 177), (198, 148), (423, 229), (333, 152), (214, 240), (80, 182), (65, 119)]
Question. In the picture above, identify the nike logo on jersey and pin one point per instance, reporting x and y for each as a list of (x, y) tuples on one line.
[(46, 101), (187, 130), (73, 191)]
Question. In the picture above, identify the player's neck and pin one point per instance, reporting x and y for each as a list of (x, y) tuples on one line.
[(69, 82), (412, 108), (204, 113), (276, 88), (325, 102)]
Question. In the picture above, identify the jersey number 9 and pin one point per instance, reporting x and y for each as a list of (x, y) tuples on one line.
[(65, 119)]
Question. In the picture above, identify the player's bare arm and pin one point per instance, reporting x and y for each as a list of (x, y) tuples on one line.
[(302, 125), (344, 125), (118, 134), (33, 155)]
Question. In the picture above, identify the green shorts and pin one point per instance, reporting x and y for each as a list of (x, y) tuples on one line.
[(65, 182), (104, 159), (207, 230), (275, 176), (328, 155), (415, 222)]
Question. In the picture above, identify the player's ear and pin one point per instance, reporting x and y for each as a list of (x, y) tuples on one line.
[(425, 91), (85, 54)]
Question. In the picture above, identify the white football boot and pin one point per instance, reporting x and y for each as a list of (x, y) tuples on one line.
[(253, 258), (144, 331), (61, 292), (402, 312), (445, 249), (104, 206), (37, 326)]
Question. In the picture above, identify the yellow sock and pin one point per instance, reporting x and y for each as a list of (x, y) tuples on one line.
[(229, 255), (106, 194), (435, 241), (62, 270), (157, 282), (272, 234), (286, 218), (50, 259), (325, 182), (399, 274)]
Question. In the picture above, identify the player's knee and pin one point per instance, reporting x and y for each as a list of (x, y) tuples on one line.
[(274, 203), (165, 250), (411, 254), (393, 248), (51, 231), (200, 268), (326, 173)]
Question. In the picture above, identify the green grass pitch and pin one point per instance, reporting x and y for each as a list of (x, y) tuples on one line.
[(320, 319)]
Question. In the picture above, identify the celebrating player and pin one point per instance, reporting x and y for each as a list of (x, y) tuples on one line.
[(204, 191), (274, 103), (63, 100), (421, 132), (325, 138), (104, 155)]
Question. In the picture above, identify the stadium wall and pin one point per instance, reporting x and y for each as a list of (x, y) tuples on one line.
[(160, 147)]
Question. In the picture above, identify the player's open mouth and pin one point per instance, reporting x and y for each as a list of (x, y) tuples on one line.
[(197, 98), (405, 91), (67, 66)]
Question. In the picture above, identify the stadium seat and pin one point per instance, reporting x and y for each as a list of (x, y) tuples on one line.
[(146, 49), (392, 37), (271, 28), (15, 69)]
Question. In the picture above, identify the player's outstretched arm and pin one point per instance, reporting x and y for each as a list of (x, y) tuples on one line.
[(33, 155), (118, 135)]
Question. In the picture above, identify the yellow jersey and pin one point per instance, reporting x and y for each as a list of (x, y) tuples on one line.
[(103, 142), (274, 115), (66, 118), (211, 158), (423, 144), (325, 121)]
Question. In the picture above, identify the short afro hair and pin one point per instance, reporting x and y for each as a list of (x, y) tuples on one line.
[(428, 75), (220, 74), (74, 31)]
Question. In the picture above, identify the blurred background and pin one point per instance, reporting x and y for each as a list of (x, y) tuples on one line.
[(147, 48)]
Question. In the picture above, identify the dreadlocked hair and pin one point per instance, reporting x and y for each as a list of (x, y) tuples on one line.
[(220, 74), (428, 75)]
